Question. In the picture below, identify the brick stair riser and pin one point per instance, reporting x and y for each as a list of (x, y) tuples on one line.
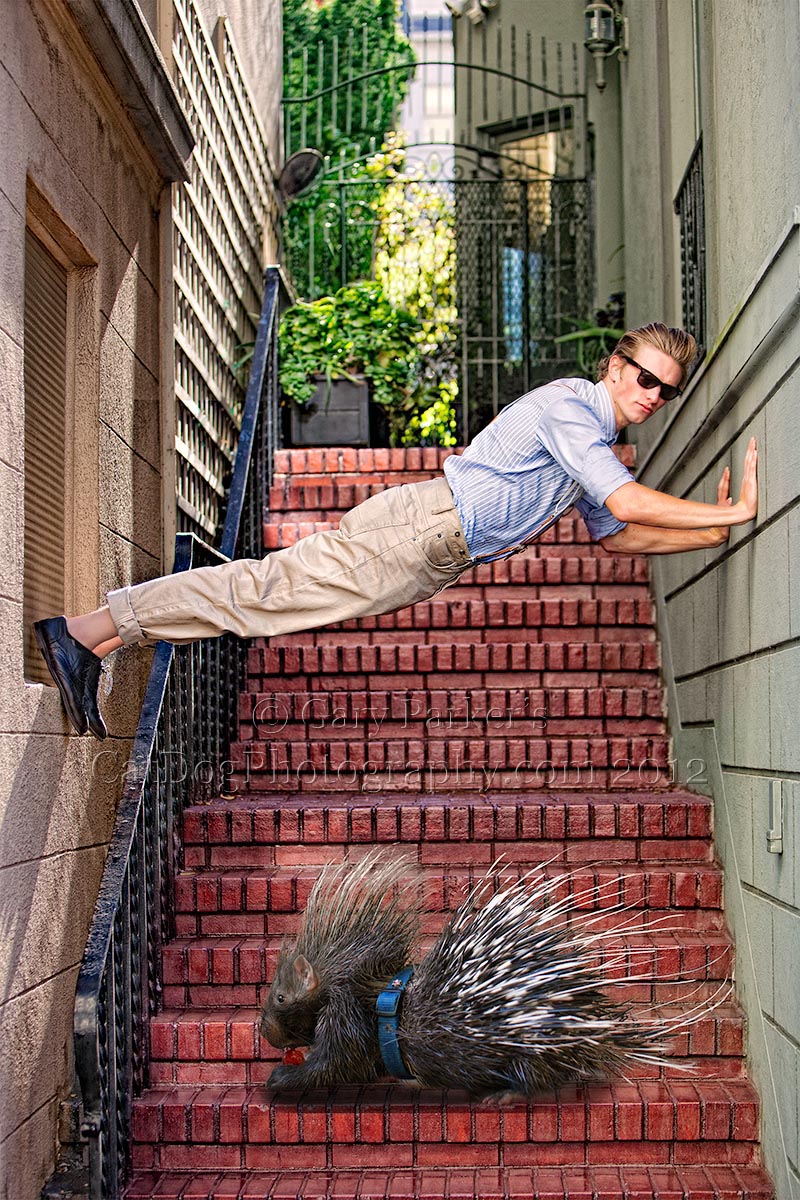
[(270, 726), (691, 891), (464, 762), (255, 924), (476, 712), (500, 621), (311, 667), (543, 1183), (277, 925), (241, 967), (251, 994), (382, 635), (334, 460), (225, 1046), (256, 1073), (227, 857), (667, 1122), (619, 827), (339, 1158), (545, 778)]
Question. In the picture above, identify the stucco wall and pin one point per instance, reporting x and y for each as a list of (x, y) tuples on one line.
[(64, 130), (729, 619)]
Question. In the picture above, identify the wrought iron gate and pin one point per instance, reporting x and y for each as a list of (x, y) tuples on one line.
[(523, 273), (514, 197)]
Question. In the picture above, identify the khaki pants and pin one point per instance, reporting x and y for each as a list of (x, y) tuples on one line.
[(400, 546)]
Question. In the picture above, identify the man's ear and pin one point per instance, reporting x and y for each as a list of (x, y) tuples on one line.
[(616, 362), (306, 975)]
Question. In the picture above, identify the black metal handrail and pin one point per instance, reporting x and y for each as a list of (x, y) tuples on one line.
[(178, 757)]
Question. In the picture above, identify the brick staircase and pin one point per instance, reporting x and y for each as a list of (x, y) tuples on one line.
[(518, 714)]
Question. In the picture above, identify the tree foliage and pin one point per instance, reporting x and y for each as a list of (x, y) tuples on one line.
[(415, 264), (351, 57), (367, 219), (347, 66)]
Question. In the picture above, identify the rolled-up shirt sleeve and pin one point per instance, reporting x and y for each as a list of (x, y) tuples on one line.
[(570, 430), (600, 521)]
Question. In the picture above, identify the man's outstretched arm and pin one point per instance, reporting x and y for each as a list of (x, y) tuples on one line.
[(661, 524)]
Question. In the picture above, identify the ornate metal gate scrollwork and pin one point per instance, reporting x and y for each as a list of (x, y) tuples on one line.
[(511, 190)]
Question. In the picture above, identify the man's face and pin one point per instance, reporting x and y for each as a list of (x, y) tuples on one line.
[(633, 404)]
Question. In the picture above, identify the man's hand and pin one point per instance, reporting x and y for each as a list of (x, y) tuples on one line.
[(723, 532), (635, 504), (748, 496), (638, 538)]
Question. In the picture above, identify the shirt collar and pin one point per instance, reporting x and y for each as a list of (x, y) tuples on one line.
[(606, 411)]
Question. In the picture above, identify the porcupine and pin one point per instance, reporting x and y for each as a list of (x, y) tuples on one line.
[(508, 1002)]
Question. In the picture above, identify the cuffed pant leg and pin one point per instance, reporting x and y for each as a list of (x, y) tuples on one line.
[(398, 547)]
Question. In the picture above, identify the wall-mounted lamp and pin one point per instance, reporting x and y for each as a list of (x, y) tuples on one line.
[(299, 172), (606, 34), (476, 10)]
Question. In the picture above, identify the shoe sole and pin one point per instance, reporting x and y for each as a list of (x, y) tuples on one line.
[(77, 718)]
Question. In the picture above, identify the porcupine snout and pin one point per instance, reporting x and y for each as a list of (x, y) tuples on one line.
[(290, 1011)]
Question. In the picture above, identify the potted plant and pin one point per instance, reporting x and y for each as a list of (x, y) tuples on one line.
[(336, 353)]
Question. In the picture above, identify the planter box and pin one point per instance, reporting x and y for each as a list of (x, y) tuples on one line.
[(338, 418)]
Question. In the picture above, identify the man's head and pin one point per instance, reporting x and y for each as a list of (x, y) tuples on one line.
[(645, 364)]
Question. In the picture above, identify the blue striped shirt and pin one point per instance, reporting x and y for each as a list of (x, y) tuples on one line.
[(545, 453)]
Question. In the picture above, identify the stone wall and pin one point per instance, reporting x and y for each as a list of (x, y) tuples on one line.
[(75, 171)]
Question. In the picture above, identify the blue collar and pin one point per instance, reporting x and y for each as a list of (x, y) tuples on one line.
[(388, 1010)]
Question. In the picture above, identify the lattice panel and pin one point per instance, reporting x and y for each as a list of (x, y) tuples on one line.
[(219, 219)]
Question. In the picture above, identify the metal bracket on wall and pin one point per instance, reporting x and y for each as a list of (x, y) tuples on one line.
[(775, 830)]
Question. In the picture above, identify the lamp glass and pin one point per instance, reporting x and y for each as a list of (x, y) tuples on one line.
[(601, 33)]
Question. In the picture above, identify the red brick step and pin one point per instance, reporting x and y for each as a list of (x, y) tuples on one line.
[(274, 898), (223, 1045), (523, 827), (308, 666), (479, 712), (462, 1183), (232, 970), (471, 763), (645, 1122)]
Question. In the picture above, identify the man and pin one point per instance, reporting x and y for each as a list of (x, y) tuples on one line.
[(542, 455)]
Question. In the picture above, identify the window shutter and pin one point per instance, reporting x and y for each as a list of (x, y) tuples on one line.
[(45, 357)]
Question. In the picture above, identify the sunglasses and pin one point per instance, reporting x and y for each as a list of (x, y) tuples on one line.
[(648, 380)]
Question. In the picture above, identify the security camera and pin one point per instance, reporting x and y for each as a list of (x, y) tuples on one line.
[(456, 7)]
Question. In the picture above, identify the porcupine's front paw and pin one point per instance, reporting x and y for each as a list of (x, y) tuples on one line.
[(284, 1078)]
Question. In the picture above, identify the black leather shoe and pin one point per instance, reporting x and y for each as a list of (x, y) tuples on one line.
[(76, 672)]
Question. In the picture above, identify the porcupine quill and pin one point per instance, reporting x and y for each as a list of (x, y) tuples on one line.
[(510, 1000)]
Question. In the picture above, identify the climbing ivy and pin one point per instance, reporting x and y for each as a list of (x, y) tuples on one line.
[(329, 42)]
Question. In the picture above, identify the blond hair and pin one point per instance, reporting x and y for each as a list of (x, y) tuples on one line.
[(677, 343)]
